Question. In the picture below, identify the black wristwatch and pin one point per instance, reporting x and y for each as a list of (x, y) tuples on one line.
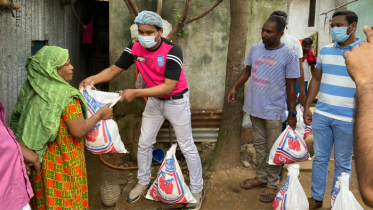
[(292, 113)]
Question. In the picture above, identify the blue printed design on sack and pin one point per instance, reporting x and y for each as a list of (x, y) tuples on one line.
[(93, 105), (334, 194), (170, 165), (174, 178), (281, 197), (292, 155)]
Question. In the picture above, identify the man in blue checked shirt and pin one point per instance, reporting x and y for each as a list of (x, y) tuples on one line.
[(332, 121), (272, 68)]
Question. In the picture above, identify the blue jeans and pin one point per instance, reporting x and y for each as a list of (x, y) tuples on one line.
[(326, 132)]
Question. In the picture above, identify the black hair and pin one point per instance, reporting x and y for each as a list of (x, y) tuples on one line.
[(307, 41), (157, 27), (279, 20), (350, 16), (279, 13)]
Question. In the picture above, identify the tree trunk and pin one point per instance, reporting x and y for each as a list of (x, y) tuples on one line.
[(227, 150)]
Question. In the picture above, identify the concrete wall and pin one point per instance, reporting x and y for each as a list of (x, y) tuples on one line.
[(298, 19), (363, 8), (259, 12), (35, 20), (205, 49)]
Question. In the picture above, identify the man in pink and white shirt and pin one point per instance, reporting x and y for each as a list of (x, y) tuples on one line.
[(160, 63)]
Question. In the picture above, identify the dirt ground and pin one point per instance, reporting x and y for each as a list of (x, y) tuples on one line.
[(229, 194), (223, 189)]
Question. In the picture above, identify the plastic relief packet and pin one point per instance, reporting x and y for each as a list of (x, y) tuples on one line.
[(104, 138), (335, 192), (291, 196), (169, 186), (344, 199), (288, 148), (301, 128), (246, 122)]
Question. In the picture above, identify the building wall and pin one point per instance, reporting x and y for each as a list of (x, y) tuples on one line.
[(363, 8), (298, 19), (35, 20), (205, 49)]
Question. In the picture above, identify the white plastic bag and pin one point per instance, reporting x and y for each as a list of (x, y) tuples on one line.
[(288, 148), (169, 186), (139, 84), (335, 192), (291, 196), (301, 128), (104, 138), (246, 122), (345, 200)]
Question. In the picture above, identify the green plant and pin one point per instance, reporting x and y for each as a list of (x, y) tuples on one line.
[(183, 33), (179, 19)]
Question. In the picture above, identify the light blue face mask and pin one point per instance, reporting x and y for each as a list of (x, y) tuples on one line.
[(339, 34), (148, 41)]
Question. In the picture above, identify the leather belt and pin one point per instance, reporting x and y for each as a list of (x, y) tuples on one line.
[(176, 96)]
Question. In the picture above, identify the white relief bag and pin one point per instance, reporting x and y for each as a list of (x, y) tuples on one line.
[(291, 196), (104, 138), (345, 200), (169, 186)]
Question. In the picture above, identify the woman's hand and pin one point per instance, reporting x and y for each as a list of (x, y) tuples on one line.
[(105, 112), (80, 127), (30, 157)]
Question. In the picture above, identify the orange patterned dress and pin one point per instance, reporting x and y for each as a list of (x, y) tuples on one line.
[(62, 183)]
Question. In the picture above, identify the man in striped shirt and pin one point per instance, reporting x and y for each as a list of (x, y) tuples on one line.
[(273, 68), (332, 121)]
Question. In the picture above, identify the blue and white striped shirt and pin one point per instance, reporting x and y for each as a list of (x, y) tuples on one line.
[(337, 90), (266, 93)]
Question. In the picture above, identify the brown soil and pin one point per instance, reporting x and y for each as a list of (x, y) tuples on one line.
[(223, 190)]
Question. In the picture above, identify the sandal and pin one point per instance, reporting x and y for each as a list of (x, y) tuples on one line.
[(253, 183), (268, 195)]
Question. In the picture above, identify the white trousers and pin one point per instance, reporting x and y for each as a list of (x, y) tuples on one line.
[(177, 112)]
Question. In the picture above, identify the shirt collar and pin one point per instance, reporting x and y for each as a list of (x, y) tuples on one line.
[(283, 44), (357, 42)]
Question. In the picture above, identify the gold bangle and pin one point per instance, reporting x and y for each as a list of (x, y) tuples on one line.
[(97, 117)]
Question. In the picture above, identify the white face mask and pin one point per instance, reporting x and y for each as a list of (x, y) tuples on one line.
[(148, 41)]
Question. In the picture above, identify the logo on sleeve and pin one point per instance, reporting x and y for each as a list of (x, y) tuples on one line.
[(160, 60)]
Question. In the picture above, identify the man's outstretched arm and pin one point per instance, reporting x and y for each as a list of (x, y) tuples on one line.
[(360, 67)]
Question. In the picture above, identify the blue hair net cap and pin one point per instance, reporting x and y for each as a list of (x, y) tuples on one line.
[(149, 18)]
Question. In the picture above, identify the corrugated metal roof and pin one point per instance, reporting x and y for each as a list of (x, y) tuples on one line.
[(35, 20)]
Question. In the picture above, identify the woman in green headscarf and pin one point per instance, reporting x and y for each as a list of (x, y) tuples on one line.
[(50, 119)]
